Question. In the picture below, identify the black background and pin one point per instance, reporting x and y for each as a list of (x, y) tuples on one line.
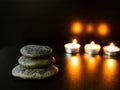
[(48, 21)]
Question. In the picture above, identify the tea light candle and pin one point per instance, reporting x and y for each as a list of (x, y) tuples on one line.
[(73, 47), (111, 49), (92, 48)]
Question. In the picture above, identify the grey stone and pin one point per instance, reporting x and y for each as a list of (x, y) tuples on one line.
[(34, 51), (36, 62), (41, 73)]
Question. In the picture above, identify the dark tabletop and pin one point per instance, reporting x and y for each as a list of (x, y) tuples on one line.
[(76, 72)]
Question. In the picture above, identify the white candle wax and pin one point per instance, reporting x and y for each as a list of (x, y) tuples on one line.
[(72, 47), (92, 48), (111, 49)]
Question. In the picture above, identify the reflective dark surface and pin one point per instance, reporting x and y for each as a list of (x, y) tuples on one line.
[(77, 72)]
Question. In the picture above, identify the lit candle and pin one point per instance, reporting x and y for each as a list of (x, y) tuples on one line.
[(111, 49), (73, 47), (92, 48)]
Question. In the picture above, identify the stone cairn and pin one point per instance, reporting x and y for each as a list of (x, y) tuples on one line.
[(36, 62)]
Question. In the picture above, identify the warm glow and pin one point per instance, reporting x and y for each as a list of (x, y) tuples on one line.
[(102, 29), (110, 67), (74, 62), (89, 28), (91, 62), (76, 27), (74, 41), (73, 70), (73, 67), (110, 63)]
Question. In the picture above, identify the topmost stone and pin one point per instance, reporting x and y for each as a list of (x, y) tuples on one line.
[(35, 51)]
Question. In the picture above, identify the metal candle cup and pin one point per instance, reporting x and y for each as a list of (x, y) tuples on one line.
[(111, 49), (92, 48), (72, 47)]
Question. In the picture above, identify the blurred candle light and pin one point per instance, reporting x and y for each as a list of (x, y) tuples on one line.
[(103, 29), (89, 28), (111, 49), (92, 48), (76, 28), (73, 47)]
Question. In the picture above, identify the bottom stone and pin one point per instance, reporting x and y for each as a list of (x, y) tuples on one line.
[(40, 73)]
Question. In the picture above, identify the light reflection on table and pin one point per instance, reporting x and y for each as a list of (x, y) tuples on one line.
[(110, 70), (73, 71), (73, 67), (85, 68), (91, 62)]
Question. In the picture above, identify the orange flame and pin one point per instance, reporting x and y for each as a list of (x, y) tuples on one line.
[(74, 41)]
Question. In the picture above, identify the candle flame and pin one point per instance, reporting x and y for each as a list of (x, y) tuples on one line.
[(74, 41), (92, 43), (111, 44)]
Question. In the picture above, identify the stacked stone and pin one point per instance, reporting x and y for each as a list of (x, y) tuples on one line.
[(35, 63)]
